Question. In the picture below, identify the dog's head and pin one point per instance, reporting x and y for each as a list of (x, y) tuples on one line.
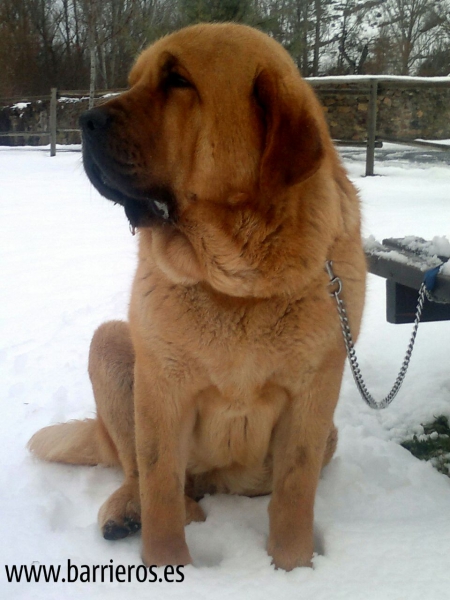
[(205, 149)]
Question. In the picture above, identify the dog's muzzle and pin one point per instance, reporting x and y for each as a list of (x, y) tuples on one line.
[(109, 175)]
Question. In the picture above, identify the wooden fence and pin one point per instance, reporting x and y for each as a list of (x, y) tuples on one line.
[(366, 85)]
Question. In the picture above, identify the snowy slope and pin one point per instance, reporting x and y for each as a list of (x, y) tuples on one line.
[(382, 517)]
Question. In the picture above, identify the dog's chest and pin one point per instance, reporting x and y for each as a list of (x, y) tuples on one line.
[(242, 354), (246, 329), (234, 427), (236, 343), (241, 346)]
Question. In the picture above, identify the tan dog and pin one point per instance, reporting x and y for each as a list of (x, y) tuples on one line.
[(227, 375)]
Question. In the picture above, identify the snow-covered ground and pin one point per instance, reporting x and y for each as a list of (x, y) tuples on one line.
[(382, 516)]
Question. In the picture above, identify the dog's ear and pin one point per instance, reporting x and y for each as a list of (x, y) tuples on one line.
[(293, 148)]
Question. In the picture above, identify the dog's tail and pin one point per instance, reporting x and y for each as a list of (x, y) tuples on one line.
[(75, 442)]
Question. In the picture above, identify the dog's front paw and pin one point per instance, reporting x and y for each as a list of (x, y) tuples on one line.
[(166, 552), (289, 557)]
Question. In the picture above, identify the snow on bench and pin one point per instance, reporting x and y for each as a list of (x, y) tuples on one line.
[(403, 262)]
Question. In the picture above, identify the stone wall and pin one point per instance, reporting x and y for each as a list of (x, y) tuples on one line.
[(403, 113)]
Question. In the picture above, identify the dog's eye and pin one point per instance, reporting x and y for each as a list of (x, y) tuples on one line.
[(175, 80)]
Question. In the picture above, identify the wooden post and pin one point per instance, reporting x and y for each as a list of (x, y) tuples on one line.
[(371, 127), (53, 106)]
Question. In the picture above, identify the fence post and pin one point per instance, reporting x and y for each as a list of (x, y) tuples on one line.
[(53, 106), (371, 127)]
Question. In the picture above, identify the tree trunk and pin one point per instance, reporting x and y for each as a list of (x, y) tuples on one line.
[(93, 69), (92, 22), (318, 7)]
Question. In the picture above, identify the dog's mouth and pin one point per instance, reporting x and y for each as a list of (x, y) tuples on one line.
[(142, 208)]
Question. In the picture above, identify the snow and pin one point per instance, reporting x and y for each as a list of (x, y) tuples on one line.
[(20, 105), (70, 100), (438, 246), (441, 142), (382, 517), (426, 254), (74, 100), (380, 78)]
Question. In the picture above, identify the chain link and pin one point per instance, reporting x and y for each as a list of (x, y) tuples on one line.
[(349, 345)]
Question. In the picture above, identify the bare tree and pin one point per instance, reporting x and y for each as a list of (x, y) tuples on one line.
[(69, 43), (410, 24)]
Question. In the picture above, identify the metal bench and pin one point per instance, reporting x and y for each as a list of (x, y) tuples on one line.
[(403, 263)]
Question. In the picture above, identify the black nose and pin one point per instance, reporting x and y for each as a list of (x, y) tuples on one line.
[(95, 121)]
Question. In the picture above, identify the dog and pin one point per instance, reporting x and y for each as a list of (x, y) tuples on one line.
[(227, 374)]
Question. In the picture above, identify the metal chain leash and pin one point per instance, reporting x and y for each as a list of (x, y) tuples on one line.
[(349, 345)]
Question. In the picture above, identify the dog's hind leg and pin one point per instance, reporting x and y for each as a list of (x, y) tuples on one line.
[(111, 369), (111, 365), (97, 441), (108, 439)]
